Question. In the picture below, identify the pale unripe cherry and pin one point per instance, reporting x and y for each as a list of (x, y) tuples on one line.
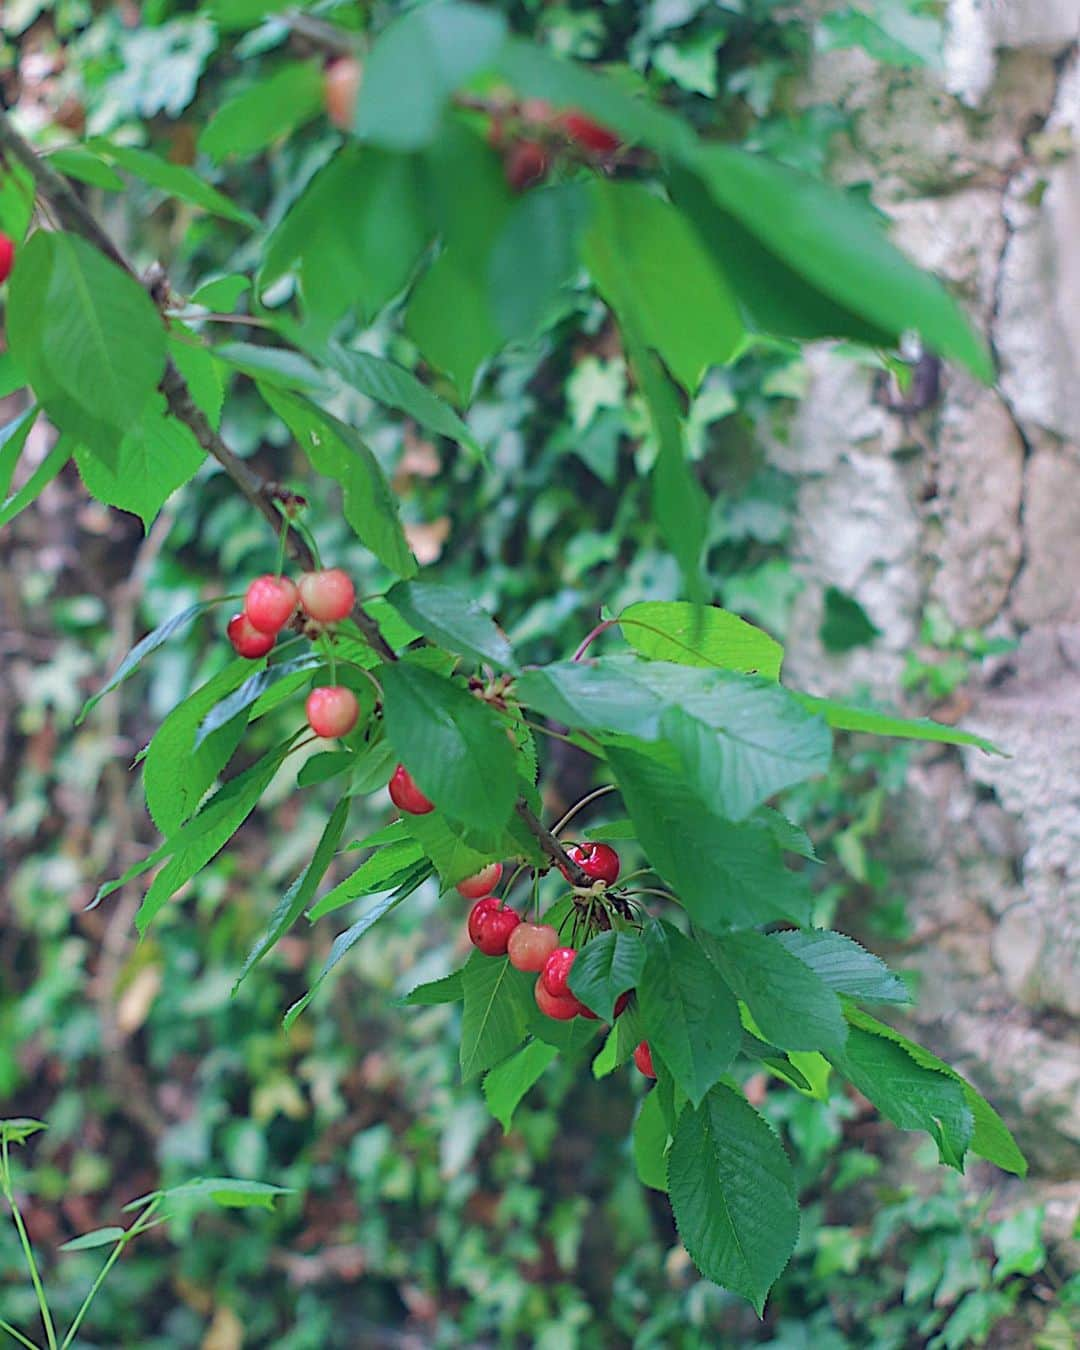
[(530, 945), (246, 639), (326, 596), (406, 796), (332, 710), (341, 86), (483, 883), (270, 603)]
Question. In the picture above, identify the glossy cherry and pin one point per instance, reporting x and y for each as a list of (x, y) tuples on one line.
[(7, 256), (341, 85), (479, 913), (483, 883), (556, 971), (643, 1059), (599, 861), (406, 796), (588, 134), (332, 710), (490, 930), (525, 164), (246, 638), (326, 596), (561, 1009), (530, 945), (270, 603)]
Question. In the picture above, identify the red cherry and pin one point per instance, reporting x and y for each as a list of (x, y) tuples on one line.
[(526, 163), (326, 596), (561, 1009), (643, 1059), (556, 970), (490, 929), (588, 134), (620, 1004), (270, 602), (531, 944), (599, 861), (7, 257), (332, 710), (341, 85), (479, 913), (483, 883), (246, 639), (406, 796)]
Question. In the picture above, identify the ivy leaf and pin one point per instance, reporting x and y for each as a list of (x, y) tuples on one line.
[(689, 1016), (453, 745), (176, 180), (733, 1195), (700, 635), (608, 965), (268, 110), (843, 965), (454, 620), (650, 1141), (498, 1000), (506, 1085)]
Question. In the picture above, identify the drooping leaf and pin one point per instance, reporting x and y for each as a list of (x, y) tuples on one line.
[(453, 745), (266, 111), (382, 871), (650, 1142), (450, 989), (454, 620), (335, 449), (12, 439), (42, 476), (544, 226), (228, 1192), (498, 1000), (733, 1195), (176, 180), (843, 965), (507, 1084), (608, 965), (17, 1129), (100, 1237), (76, 161), (296, 670), (844, 717), (693, 635), (276, 367)]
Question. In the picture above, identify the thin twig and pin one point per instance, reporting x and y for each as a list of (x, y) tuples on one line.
[(552, 848)]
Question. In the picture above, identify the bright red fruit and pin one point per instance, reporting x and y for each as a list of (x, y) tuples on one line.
[(526, 163), (332, 710), (406, 796), (341, 85), (326, 596), (599, 861), (561, 1009), (246, 638), (588, 134), (621, 1002), (490, 926), (531, 944), (643, 1059), (7, 257), (270, 602), (483, 883), (556, 971)]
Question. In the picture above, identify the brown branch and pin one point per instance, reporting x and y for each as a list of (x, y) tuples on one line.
[(72, 214), (551, 847)]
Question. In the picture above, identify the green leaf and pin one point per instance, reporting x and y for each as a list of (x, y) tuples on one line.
[(75, 161), (844, 717), (144, 648), (335, 450), (790, 1004), (16, 199), (453, 745), (650, 1142), (613, 829), (17, 1129), (450, 989), (202, 375), (236, 15), (571, 1038), (992, 1139), (12, 440), (276, 367), (620, 1043), (1018, 1243), (498, 1001), (395, 387), (457, 852), (253, 689), (607, 966), (155, 458), (696, 635), (688, 1014), (86, 335), (353, 237), (176, 772), (845, 625), (911, 1095), (268, 110), (840, 247), (454, 620), (384, 869), (893, 35), (100, 1237), (651, 268), (733, 1195), (177, 180), (42, 476), (508, 1082), (544, 227), (416, 64), (450, 321), (295, 900), (344, 942), (843, 965), (228, 1192), (221, 293), (727, 876)]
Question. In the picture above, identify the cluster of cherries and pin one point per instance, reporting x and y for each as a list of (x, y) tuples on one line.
[(497, 930), (7, 256), (322, 598), (527, 159)]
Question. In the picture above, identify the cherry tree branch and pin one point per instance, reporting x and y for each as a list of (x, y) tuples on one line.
[(551, 847)]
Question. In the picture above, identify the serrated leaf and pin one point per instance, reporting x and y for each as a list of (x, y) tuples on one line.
[(844, 717), (650, 1141), (100, 1237), (274, 367), (383, 870), (296, 670), (498, 1000), (843, 965), (688, 1014), (506, 1085), (700, 635), (269, 109), (177, 180), (454, 620), (608, 965), (453, 745), (733, 1195), (450, 989)]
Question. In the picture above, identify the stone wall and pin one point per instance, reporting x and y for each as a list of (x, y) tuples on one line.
[(974, 505)]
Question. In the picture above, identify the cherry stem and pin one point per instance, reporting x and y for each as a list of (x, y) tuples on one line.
[(592, 796), (556, 735), (601, 627), (651, 890), (283, 543)]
